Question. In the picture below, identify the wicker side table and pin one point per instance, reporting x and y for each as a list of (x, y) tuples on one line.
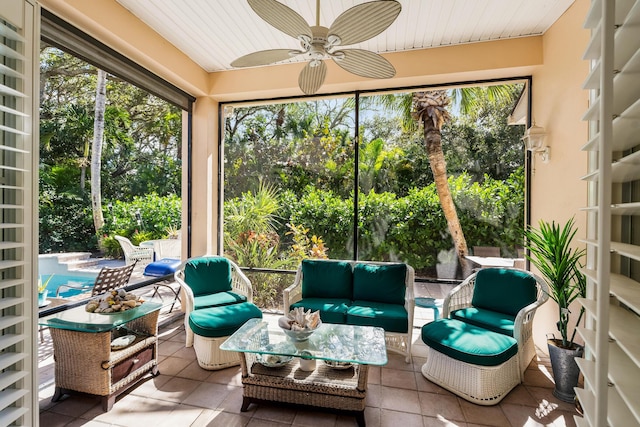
[(339, 390), (85, 361)]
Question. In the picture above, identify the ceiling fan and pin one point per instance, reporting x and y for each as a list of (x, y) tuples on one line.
[(318, 43)]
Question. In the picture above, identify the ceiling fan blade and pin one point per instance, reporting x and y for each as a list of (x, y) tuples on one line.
[(311, 78), (263, 57), (365, 63), (281, 17), (364, 21)]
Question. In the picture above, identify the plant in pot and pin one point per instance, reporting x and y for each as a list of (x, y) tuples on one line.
[(559, 263), (42, 290)]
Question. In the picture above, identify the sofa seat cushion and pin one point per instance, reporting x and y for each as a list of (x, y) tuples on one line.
[(326, 279), (492, 320), (214, 322), (217, 299), (384, 283), (390, 317), (468, 343), (332, 310), (504, 290)]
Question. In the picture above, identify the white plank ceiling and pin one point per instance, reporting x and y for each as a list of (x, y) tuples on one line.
[(215, 32)]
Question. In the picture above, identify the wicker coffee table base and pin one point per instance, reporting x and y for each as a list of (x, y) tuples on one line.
[(338, 390)]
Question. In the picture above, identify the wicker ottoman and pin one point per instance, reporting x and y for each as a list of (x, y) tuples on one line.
[(212, 326), (478, 365)]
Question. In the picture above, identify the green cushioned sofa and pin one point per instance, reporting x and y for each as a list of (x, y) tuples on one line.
[(358, 293)]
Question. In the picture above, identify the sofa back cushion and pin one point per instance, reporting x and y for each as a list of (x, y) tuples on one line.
[(503, 290), (380, 282), (326, 279), (208, 275)]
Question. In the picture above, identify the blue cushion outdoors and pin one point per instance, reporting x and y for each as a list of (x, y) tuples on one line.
[(326, 279), (390, 317), (332, 310), (163, 267), (380, 283), (208, 275), (503, 290), (492, 320), (217, 299), (468, 343)]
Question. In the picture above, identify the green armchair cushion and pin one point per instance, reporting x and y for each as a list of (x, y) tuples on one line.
[(380, 283), (218, 298), (215, 322), (326, 279), (208, 275), (492, 320), (390, 317), (332, 310), (503, 290), (469, 343)]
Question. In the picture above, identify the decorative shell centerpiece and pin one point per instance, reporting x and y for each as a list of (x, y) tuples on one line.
[(115, 301), (299, 324)]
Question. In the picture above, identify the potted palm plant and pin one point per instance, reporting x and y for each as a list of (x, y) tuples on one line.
[(559, 263)]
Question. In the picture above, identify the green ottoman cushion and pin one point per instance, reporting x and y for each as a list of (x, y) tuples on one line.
[(492, 320), (222, 321), (390, 317), (469, 343), (326, 279), (219, 298), (332, 310)]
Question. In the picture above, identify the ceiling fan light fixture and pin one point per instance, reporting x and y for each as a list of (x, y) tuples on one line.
[(353, 26)]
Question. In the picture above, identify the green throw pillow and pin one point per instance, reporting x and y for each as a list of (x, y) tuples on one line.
[(326, 279), (381, 283), (208, 275), (504, 290)]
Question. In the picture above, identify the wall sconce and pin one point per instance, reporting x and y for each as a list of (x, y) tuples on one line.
[(534, 141)]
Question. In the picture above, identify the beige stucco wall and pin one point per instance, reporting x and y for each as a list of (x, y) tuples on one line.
[(554, 61), (558, 102)]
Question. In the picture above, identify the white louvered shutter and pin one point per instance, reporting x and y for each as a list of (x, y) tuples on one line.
[(19, 43), (611, 394)]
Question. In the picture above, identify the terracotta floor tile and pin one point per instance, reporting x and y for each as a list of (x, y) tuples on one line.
[(439, 405), (398, 399), (168, 348), (441, 422), (175, 390), (399, 379), (208, 395), (171, 366), (310, 418), (209, 418), (482, 414), (389, 418)]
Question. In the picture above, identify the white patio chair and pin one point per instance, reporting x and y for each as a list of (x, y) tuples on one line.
[(134, 253)]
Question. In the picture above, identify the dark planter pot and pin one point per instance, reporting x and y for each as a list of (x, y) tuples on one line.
[(565, 369)]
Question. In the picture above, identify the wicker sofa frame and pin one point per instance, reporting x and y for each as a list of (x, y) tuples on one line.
[(485, 385), (395, 341)]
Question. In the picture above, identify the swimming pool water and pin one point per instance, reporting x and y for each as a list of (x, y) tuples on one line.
[(68, 279)]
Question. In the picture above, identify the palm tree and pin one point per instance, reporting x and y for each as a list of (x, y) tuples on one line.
[(96, 150), (430, 109)]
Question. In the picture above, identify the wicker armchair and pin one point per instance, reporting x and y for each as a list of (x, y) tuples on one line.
[(516, 294), (132, 253), (194, 296)]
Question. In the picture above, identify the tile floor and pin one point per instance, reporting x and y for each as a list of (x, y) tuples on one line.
[(398, 394)]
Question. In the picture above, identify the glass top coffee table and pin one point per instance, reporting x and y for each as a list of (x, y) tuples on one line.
[(337, 382)]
